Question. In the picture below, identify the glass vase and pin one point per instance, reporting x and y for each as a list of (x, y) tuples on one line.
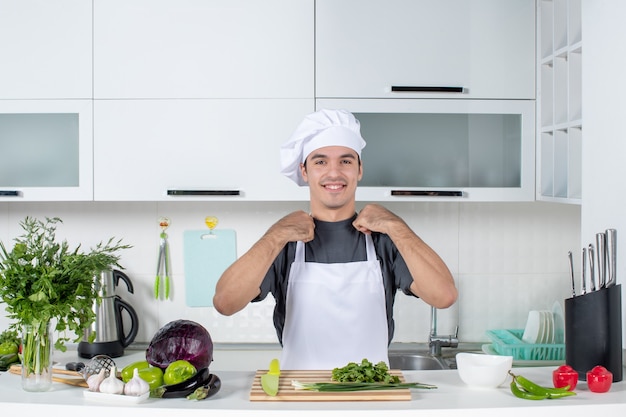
[(36, 357)]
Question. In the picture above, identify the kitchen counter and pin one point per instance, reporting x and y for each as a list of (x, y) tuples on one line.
[(452, 397)]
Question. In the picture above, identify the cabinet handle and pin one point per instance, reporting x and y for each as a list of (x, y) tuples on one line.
[(426, 89), (426, 193), (202, 192), (9, 193)]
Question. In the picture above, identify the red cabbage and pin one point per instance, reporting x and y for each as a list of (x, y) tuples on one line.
[(181, 340)]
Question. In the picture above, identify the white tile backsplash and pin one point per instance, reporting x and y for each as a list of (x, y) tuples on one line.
[(507, 258)]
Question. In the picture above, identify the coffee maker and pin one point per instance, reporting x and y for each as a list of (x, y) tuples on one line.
[(110, 335)]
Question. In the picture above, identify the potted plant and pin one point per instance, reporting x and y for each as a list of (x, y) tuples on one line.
[(46, 285)]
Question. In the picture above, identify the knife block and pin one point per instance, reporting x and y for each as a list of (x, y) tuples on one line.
[(593, 331)]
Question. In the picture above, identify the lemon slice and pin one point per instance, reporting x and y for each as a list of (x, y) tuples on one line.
[(274, 367), (269, 383)]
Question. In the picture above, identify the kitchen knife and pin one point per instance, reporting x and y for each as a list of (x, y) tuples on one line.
[(601, 257), (611, 257), (571, 272), (584, 273), (592, 269)]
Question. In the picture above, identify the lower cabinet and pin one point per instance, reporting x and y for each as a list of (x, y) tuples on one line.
[(188, 150)]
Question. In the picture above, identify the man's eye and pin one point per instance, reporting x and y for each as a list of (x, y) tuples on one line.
[(347, 161), (320, 162)]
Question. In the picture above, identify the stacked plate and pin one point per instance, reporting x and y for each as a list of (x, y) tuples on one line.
[(540, 327)]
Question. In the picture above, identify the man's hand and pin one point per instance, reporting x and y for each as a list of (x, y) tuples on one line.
[(294, 227), (375, 218)]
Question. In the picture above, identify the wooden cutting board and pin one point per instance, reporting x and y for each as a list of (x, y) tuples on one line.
[(207, 255), (286, 392)]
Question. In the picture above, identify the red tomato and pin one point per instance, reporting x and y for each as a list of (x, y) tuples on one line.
[(563, 376), (599, 379)]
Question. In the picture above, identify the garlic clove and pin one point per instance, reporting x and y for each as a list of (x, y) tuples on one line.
[(94, 381), (136, 386), (112, 385)]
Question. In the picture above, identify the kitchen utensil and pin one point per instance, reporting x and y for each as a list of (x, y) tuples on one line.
[(76, 382), (592, 269), (163, 262), (207, 255), (286, 392), (593, 331), (583, 274), (94, 366), (483, 371), (571, 272), (611, 256), (601, 257), (110, 335)]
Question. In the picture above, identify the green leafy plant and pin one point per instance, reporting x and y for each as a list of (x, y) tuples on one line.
[(44, 281)]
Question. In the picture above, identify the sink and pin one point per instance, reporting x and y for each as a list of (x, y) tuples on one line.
[(417, 361)]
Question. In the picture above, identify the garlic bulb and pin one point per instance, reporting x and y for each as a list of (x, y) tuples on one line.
[(136, 386), (94, 381), (112, 385)]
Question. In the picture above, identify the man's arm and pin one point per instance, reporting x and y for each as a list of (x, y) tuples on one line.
[(432, 280), (241, 282)]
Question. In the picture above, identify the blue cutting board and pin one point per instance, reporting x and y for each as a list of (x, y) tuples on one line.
[(206, 257)]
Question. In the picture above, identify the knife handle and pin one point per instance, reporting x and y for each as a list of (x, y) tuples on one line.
[(611, 255), (601, 256), (592, 269)]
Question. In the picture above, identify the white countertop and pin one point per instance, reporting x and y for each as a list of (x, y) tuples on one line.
[(452, 397)]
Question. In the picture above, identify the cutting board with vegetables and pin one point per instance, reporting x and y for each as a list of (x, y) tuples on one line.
[(207, 255), (286, 392)]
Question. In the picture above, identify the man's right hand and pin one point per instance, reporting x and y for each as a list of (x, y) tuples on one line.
[(294, 227)]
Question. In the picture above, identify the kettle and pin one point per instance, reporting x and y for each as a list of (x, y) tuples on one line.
[(110, 336)]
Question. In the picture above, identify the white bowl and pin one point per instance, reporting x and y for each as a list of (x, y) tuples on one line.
[(483, 371)]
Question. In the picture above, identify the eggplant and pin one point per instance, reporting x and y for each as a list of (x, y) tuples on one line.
[(184, 388)]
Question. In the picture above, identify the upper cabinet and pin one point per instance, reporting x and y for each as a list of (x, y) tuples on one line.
[(46, 148), (190, 150), (45, 47), (559, 101), (203, 49), (478, 49)]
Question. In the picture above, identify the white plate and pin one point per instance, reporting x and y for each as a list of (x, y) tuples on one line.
[(559, 323), (115, 398), (533, 329)]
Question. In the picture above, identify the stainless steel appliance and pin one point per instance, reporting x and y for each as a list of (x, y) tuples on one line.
[(110, 335)]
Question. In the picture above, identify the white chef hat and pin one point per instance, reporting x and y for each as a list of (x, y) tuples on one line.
[(317, 130)]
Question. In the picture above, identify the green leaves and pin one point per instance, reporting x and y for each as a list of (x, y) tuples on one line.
[(42, 279), (364, 372)]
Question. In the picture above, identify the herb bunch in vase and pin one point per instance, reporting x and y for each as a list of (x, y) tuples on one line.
[(49, 287)]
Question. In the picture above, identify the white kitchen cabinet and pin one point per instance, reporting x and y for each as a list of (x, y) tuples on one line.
[(366, 49), (46, 148), (559, 101), (45, 48), (445, 150), (203, 48), (190, 150)]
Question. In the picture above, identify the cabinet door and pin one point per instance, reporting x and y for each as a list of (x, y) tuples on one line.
[(486, 47), (203, 48), (445, 150), (195, 149), (46, 148), (45, 48)]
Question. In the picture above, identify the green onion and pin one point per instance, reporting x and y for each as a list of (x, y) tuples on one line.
[(357, 386)]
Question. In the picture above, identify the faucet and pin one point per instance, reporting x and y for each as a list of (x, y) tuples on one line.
[(435, 341)]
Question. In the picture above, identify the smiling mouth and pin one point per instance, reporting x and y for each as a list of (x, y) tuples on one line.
[(334, 187)]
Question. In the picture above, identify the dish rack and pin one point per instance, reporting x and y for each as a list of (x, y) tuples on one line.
[(509, 342)]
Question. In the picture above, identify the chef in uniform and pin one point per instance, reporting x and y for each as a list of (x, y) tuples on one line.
[(333, 272)]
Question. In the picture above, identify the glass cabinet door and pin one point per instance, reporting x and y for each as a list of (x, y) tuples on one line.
[(46, 150), (461, 149)]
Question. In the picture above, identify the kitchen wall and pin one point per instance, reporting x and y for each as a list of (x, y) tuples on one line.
[(507, 258)]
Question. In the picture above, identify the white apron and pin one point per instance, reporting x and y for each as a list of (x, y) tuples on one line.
[(335, 313)]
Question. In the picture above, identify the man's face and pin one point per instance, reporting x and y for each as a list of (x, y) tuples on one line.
[(332, 173)]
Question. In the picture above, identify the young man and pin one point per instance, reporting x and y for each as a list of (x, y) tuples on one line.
[(333, 273)]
